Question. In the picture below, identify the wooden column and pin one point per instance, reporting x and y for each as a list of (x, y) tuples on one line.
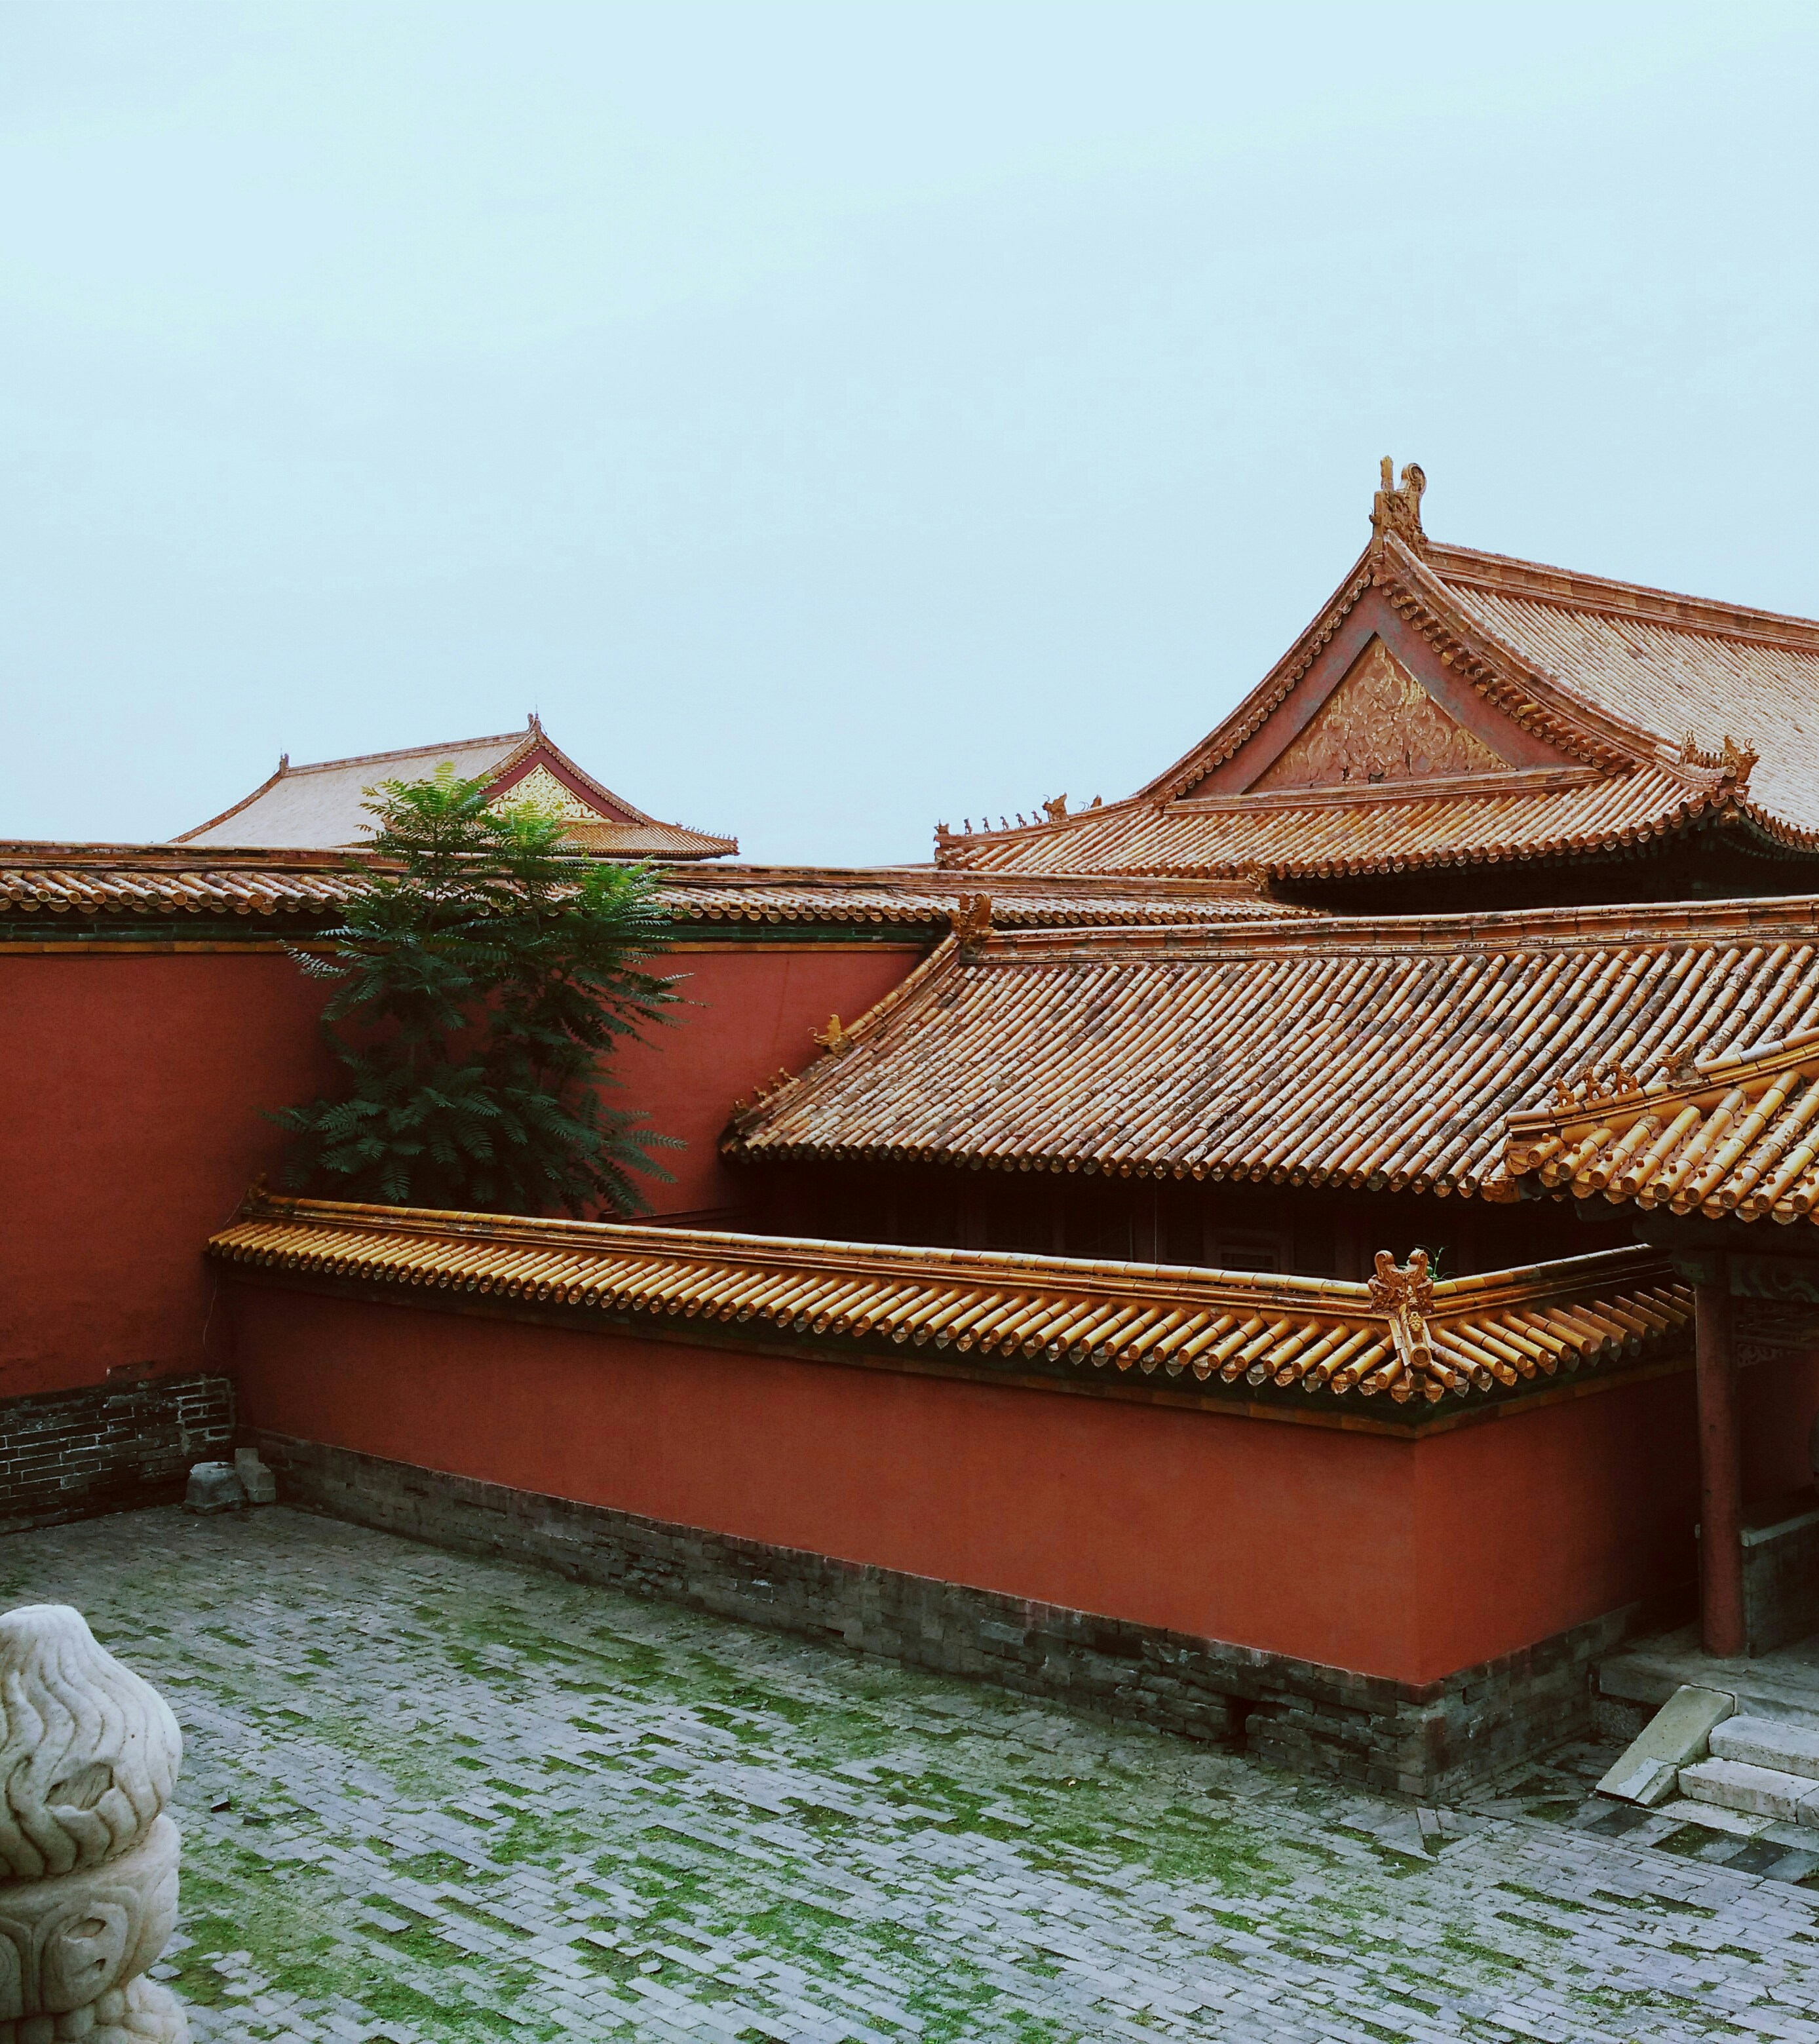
[(1720, 1474)]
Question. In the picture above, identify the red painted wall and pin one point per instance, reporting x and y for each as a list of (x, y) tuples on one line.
[(1390, 1556), (136, 1084), (745, 1010)]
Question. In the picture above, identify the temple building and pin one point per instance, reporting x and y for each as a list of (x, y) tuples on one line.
[(323, 807), (1459, 730), (1320, 1252)]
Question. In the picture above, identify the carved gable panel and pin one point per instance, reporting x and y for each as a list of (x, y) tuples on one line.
[(1379, 724), (541, 789)]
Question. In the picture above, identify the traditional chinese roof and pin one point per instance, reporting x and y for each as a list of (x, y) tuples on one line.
[(138, 882), (927, 896), (1401, 1333), (1453, 708), (1730, 1133), (1385, 1054), (324, 806)]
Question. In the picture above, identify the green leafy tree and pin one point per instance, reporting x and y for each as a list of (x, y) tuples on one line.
[(482, 974)]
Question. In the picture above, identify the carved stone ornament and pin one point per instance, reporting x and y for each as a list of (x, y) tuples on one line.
[(89, 1755), (1379, 724)]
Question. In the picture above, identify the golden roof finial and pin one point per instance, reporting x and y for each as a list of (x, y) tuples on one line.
[(1398, 511)]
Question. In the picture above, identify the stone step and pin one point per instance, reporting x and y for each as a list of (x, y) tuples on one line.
[(1762, 1792), (1789, 1747), (1676, 1736)]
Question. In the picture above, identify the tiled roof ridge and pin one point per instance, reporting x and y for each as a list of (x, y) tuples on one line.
[(516, 740), (147, 880), (1627, 923), (1402, 1332), (1575, 590), (939, 881), (1540, 701)]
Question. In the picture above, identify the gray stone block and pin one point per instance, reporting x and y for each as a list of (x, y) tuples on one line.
[(258, 1481), (213, 1487), (1677, 1736)]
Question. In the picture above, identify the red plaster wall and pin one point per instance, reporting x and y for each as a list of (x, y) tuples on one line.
[(1385, 1556), (1533, 1523), (135, 1087), (135, 1084), (746, 1009)]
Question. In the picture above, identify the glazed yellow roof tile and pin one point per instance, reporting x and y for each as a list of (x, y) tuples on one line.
[(1384, 1054), (1730, 1134), (1421, 824), (1618, 678), (924, 895), (85, 881), (1669, 663), (1400, 1334)]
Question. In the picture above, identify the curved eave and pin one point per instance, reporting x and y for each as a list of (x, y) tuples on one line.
[(1202, 1329)]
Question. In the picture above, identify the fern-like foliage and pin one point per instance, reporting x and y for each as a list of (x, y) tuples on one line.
[(482, 977)]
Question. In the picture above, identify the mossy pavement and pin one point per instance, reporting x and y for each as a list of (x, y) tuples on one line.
[(428, 1797)]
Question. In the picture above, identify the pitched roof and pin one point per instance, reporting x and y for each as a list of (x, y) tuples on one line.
[(1400, 1334), (925, 895), (1734, 1133), (1449, 707), (1383, 1054), (97, 882), (317, 807)]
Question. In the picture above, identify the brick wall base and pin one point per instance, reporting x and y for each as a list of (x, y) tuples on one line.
[(1431, 1741), (108, 1447)]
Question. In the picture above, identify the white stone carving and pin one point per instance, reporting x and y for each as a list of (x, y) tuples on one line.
[(89, 1755)]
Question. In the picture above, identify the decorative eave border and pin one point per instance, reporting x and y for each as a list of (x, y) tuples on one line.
[(1204, 1331)]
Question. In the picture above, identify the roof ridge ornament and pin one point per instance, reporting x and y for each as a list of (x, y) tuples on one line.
[(1596, 1086), (1403, 1293), (1398, 511), (1732, 762), (971, 916)]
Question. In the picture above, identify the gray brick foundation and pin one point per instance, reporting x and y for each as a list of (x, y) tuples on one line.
[(108, 1447), (1432, 1741)]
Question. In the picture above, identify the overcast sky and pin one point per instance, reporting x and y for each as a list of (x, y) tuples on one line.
[(833, 420)]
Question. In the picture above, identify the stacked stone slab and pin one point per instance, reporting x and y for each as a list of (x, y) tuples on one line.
[(89, 1755)]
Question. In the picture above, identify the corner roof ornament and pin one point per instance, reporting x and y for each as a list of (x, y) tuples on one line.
[(1398, 511)]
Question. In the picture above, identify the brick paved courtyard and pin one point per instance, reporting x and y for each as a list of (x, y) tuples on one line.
[(428, 1797)]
